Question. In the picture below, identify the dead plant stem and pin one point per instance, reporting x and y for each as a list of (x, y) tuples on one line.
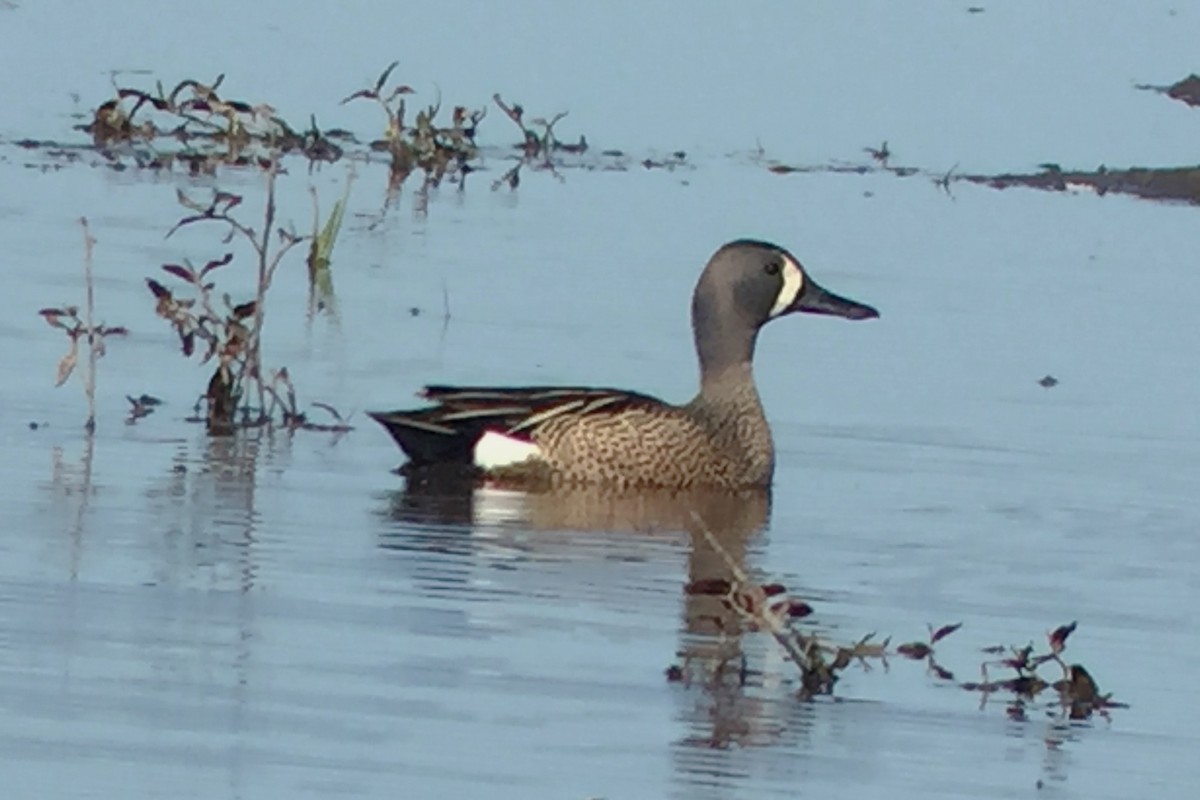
[(89, 381), (768, 615)]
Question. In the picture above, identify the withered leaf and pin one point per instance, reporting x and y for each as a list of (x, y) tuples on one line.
[(188, 202), (383, 76), (227, 199), (914, 650), (157, 289), (51, 315), (942, 672), (1058, 638), (367, 93), (244, 310), (215, 263), (185, 273), (797, 609), (188, 342), (400, 90), (67, 365), (943, 632)]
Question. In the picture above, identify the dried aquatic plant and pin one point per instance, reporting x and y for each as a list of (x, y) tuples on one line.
[(210, 130), (768, 607), (67, 320), (226, 332), (439, 151)]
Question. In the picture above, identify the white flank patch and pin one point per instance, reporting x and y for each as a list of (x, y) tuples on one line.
[(495, 450), (793, 279)]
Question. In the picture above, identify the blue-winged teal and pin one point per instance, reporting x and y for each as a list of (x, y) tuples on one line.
[(721, 438)]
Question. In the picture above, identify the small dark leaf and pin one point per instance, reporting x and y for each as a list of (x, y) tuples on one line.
[(188, 340), (367, 93), (943, 632), (772, 589), (942, 672), (185, 273), (400, 90), (220, 262), (797, 609), (158, 289), (119, 330), (1058, 639), (51, 315), (244, 310), (914, 650), (227, 199), (384, 76)]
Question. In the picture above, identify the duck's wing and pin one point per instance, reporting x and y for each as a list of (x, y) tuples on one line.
[(447, 431)]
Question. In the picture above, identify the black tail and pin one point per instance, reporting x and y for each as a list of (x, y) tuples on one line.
[(427, 442)]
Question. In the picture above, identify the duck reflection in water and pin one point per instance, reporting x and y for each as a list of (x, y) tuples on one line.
[(589, 526), (560, 516)]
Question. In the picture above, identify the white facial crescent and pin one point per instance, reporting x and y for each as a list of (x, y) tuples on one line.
[(793, 282)]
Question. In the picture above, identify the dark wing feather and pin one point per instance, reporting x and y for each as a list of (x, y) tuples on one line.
[(447, 431)]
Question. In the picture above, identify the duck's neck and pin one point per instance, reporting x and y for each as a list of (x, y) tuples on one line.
[(726, 351)]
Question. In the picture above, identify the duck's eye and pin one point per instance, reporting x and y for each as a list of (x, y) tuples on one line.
[(772, 267)]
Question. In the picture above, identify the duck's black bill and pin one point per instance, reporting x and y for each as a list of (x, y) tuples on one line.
[(815, 300)]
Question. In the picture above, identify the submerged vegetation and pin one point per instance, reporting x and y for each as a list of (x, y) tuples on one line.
[(752, 606), (196, 127), (199, 127)]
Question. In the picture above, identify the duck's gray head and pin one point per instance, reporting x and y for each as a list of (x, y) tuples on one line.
[(746, 284)]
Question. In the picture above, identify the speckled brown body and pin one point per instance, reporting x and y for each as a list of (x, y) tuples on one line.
[(723, 443)]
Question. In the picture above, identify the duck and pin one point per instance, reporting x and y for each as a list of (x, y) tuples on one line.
[(531, 436)]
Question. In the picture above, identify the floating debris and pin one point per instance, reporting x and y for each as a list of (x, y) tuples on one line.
[(880, 154), (1186, 90)]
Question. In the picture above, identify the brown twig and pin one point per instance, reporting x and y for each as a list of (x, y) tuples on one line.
[(94, 341)]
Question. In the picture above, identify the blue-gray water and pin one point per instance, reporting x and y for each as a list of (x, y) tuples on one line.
[(190, 618)]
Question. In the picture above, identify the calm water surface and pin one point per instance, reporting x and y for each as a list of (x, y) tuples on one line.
[(278, 616)]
